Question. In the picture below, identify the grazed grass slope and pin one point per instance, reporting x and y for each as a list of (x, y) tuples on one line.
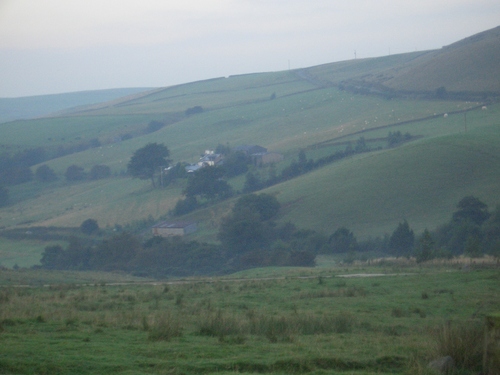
[(421, 182), (467, 66)]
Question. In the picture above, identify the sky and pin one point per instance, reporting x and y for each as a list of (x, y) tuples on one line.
[(56, 46)]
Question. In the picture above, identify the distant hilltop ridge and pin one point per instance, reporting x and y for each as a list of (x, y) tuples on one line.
[(466, 69)]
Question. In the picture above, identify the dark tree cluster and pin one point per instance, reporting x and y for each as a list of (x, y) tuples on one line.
[(395, 138), (45, 174), (205, 184), (158, 257), (302, 165), (154, 126), (15, 170), (235, 163), (148, 161), (251, 239), (75, 173), (472, 231), (208, 183)]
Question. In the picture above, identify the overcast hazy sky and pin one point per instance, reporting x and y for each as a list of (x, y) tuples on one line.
[(52, 46)]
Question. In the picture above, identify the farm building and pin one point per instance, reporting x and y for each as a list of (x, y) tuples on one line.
[(165, 229), (266, 158)]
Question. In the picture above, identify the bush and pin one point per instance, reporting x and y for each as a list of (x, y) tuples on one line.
[(89, 226), (45, 174), (74, 173), (185, 206)]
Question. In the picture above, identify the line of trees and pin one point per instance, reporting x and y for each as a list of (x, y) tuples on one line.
[(472, 231), (249, 237)]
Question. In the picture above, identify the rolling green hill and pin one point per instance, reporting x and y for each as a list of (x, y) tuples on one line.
[(42, 105), (468, 67), (449, 157)]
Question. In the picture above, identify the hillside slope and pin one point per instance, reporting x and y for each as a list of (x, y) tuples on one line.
[(420, 181), (469, 66), (41, 105)]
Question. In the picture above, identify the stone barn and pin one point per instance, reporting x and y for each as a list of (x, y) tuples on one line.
[(166, 229)]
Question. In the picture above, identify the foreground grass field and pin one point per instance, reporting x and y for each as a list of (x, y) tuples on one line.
[(292, 321)]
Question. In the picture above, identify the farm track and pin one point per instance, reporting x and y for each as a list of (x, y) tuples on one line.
[(212, 280)]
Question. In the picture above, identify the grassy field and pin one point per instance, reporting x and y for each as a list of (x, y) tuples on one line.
[(270, 321), (390, 186)]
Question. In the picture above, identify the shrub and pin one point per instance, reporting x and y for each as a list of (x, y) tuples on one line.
[(45, 174), (89, 226), (74, 173), (344, 322), (219, 325)]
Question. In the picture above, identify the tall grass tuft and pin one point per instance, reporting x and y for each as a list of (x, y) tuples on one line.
[(164, 327), (461, 341), (219, 325)]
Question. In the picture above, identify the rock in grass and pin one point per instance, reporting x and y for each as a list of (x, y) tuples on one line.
[(443, 365)]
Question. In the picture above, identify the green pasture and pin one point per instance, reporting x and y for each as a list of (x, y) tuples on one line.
[(23, 253), (121, 200), (421, 182), (284, 125), (111, 201), (309, 321), (66, 131)]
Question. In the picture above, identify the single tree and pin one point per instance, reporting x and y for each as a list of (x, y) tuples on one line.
[(243, 231), (343, 241), (45, 174), (89, 226), (208, 183), (266, 205), (147, 161), (74, 173), (252, 182), (472, 209), (402, 240), (425, 249)]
